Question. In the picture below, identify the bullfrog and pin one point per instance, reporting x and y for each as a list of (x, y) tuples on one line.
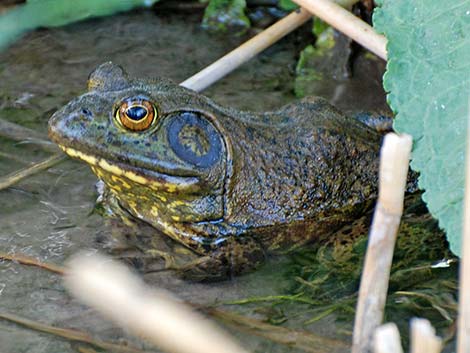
[(230, 185)]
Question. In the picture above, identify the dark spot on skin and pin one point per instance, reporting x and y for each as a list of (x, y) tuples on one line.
[(250, 133), (136, 142), (147, 144)]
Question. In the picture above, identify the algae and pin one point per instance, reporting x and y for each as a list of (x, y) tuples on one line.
[(226, 15), (308, 69)]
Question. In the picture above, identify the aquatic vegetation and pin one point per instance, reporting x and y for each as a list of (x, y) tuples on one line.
[(325, 277), (221, 15), (308, 69)]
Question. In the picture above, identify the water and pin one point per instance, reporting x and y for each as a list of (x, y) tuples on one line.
[(49, 216)]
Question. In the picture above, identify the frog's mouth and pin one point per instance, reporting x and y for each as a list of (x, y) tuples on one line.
[(155, 180)]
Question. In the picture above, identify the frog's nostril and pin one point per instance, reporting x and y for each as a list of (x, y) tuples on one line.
[(87, 113)]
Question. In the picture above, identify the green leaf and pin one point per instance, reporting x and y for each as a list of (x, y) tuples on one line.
[(428, 80), (52, 13)]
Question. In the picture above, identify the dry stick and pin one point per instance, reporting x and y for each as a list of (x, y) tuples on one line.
[(15, 177), (246, 51), (395, 154), (423, 337), (31, 261), (346, 22), (69, 334), (387, 339), (463, 333), (121, 296)]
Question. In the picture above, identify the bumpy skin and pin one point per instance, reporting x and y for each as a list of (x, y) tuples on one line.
[(230, 185)]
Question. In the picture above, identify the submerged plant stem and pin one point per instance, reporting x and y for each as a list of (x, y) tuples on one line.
[(15, 177), (272, 298), (69, 334), (31, 261), (304, 340)]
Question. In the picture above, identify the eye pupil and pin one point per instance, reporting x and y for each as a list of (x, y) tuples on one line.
[(136, 113)]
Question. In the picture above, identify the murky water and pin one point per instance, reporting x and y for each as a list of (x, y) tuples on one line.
[(49, 216)]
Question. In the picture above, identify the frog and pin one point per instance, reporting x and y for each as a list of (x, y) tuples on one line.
[(231, 186)]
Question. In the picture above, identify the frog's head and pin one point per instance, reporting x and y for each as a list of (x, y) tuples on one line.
[(159, 147)]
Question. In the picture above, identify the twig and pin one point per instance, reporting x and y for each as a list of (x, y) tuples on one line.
[(246, 51), (463, 333), (394, 160), (31, 261), (273, 298), (303, 340), (344, 21), (121, 296), (20, 133), (423, 337), (69, 334), (21, 174), (387, 339)]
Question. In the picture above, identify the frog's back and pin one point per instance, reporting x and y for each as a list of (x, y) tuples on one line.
[(304, 159)]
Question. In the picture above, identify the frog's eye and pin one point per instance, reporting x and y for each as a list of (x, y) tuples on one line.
[(136, 114)]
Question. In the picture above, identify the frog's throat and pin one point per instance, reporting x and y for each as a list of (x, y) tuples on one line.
[(156, 181)]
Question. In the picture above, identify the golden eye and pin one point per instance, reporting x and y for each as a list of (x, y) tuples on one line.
[(136, 114)]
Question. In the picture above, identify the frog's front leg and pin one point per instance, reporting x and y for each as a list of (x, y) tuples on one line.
[(128, 237), (122, 226), (234, 256)]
